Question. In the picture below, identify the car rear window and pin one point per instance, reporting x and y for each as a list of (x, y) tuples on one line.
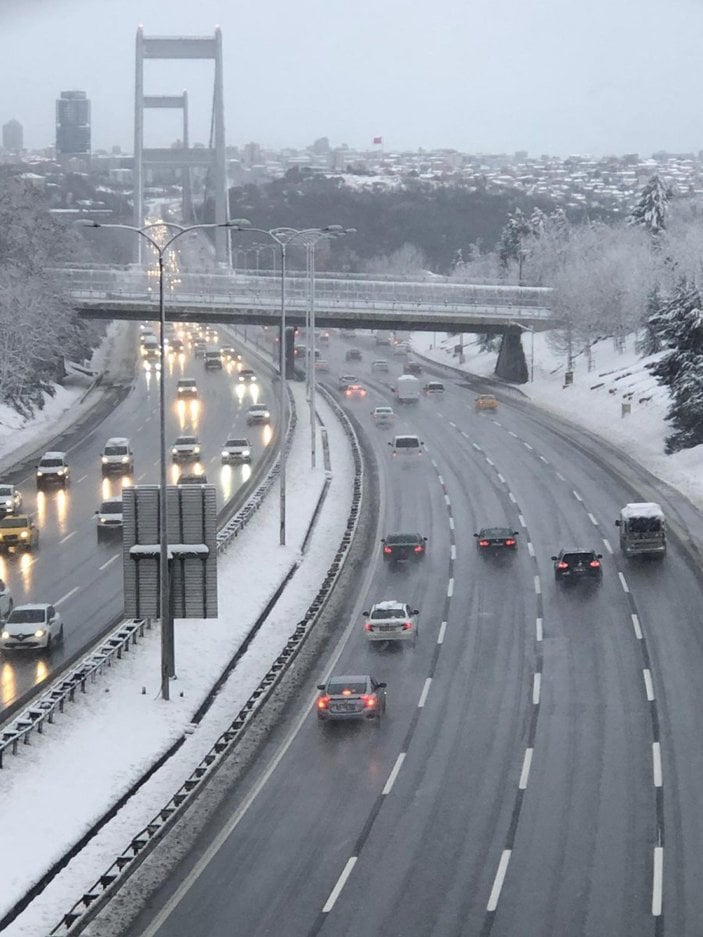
[(383, 613), (354, 687), (402, 538), (572, 558), (407, 442), (496, 533)]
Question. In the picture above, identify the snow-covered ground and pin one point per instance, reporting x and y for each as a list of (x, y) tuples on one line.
[(103, 743), (594, 400)]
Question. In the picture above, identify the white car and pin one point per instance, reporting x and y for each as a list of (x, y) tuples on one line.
[(53, 470), (258, 413), (185, 449), (33, 626), (236, 450), (10, 499), (380, 364), (346, 379), (108, 517), (391, 621), (383, 416)]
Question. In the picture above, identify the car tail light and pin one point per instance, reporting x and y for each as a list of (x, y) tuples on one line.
[(484, 543), (323, 702), (369, 701), (509, 542), (594, 564), (368, 626), (418, 548), (387, 550), (407, 625), (562, 565)]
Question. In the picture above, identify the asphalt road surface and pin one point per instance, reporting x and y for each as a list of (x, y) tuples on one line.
[(539, 768), (82, 575)]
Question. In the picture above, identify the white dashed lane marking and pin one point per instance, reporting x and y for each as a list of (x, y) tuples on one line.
[(111, 560), (636, 626), (451, 523), (425, 691), (341, 882), (490, 461), (501, 479), (527, 446), (442, 630), (450, 588), (657, 881), (68, 536), (657, 764), (538, 629), (525, 773), (498, 880), (511, 433), (538, 586), (530, 548), (592, 519), (394, 773), (536, 688), (452, 551), (577, 495), (512, 497), (606, 544), (623, 583), (648, 685), (522, 520), (67, 596)]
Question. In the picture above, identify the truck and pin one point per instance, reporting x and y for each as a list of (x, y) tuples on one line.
[(407, 389), (642, 529)]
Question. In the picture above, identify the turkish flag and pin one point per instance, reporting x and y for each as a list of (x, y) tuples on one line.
[(378, 139)]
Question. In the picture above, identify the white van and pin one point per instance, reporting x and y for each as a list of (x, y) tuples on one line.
[(118, 456), (406, 446), (407, 389)]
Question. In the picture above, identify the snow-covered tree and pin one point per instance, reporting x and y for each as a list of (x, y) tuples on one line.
[(512, 246), (650, 341), (652, 207), (680, 325)]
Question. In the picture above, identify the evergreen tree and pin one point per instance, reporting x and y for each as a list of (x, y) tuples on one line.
[(652, 207), (680, 325), (651, 341), (513, 237)]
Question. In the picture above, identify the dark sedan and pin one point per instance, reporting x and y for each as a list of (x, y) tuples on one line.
[(495, 540), (578, 565)]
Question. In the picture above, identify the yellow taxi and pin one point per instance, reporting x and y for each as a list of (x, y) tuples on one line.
[(486, 402)]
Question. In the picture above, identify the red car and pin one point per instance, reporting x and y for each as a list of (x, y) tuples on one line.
[(355, 390)]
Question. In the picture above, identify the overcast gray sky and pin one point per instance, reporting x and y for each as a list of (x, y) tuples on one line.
[(548, 76)]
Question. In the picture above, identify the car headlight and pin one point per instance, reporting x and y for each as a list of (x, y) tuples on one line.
[(174, 451), (40, 632), (39, 473), (24, 534), (125, 459), (224, 453), (8, 504), (102, 520), (5, 635), (61, 471), (196, 450), (246, 452), (104, 460)]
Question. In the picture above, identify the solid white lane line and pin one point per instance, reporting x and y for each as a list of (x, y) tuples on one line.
[(490, 461), (442, 629), (67, 596), (440, 479), (607, 546), (450, 588), (68, 536), (527, 446), (536, 687), (592, 519), (623, 582), (425, 691), (538, 586), (522, 521), (341, 882), (82, 478), (648, 685), (452, 551), (525, 773), (111, 560), (394, 773), (636, 626), (451, 523), (501, 479), (560, 477), (657, 764), (576, 495), (512, 497), (498, 880), (539, 633), (511, 433), (530, 548), (657, 881)]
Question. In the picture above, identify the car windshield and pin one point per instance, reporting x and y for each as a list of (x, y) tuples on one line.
[(51, 463), (14, 522), (433, 386), (186, 385), (383, 411), (111, 507), (186, 441), (5, 491), (115, 450), (397, 611), (27, 615), (236, 442), (353, 687)]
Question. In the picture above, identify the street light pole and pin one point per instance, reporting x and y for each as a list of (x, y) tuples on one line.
[(168, 663)]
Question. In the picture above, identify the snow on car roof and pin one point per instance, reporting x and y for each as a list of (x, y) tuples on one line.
[(642, 509)]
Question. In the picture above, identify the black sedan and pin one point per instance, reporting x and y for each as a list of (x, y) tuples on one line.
[(578, 565), (351, 698), (494, 540)]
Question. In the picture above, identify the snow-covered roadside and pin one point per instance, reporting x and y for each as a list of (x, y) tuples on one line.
[(19, 437), (97, 751), (594, 400)]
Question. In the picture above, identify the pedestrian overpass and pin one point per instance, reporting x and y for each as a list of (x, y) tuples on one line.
[(341, 300)]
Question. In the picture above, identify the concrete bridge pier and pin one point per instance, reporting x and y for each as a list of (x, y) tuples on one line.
[(511, 364)]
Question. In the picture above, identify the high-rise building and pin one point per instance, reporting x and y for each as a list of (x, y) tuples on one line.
[(13, 136), (72, 123)]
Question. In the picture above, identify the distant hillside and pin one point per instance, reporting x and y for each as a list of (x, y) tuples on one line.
[(440, 220)]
